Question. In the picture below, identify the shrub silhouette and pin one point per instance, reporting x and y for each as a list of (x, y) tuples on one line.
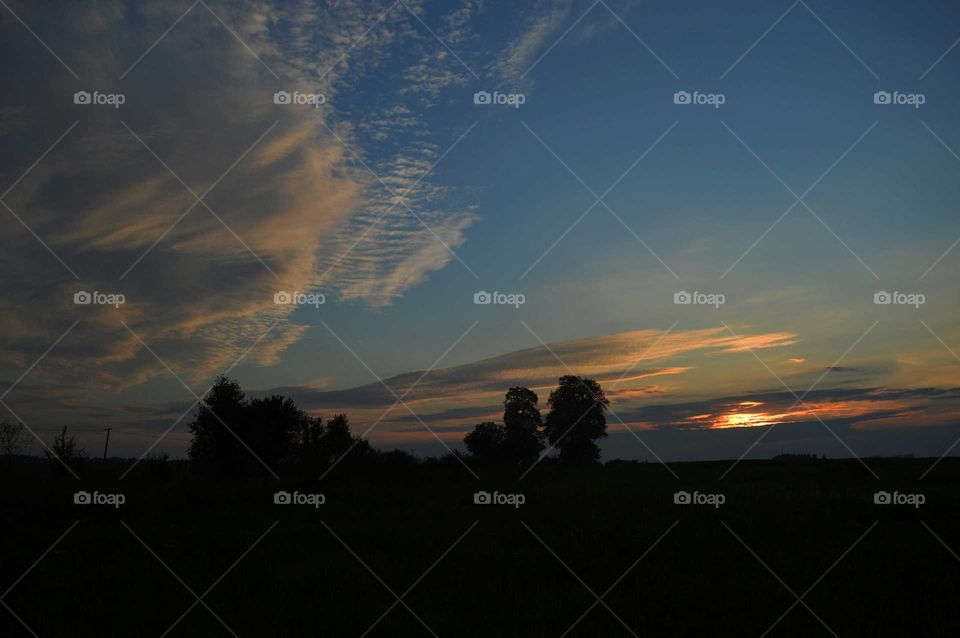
[(65, 452), (485, 443), (577, 418), (13, 441)]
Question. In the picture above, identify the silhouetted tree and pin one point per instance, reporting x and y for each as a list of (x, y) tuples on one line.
[(214, 446), (577, 418), (523, 440), (13, 441), (271, 431), (234, 435), (337, 441), (270, 428), (310, 440), (65, 448), (485, 443), (518, 441)]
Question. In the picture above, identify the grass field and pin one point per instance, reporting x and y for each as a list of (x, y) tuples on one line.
[(464, 569)]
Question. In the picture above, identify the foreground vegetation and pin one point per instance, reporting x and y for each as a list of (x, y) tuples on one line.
[(285, 524), (398, 516)]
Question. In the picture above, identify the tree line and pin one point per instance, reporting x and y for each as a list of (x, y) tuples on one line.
[(235, 435)]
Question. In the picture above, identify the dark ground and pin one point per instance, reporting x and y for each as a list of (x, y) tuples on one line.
[(799, 517)]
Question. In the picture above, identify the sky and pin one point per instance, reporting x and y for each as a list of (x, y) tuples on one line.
[(586, 167)]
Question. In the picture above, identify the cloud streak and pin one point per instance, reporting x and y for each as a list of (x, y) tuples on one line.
[(199, 278)]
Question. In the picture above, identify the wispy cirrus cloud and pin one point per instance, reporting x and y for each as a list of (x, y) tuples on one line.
[(632, 365), (543, 21), (286, 196)]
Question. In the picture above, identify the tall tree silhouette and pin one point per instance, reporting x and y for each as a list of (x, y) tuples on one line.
[(577, 418), (213, 447), (522, 423), (310, 440), (270, 427), (337, 440), (518, 440)]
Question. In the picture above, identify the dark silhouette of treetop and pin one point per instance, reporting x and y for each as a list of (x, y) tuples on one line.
[(485, 443), (337, 440), (518, 441), (213, 446), (577, 418), (523, 439), (234, 435)]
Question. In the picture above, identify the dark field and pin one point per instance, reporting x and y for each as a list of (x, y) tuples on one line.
[(861, 569)]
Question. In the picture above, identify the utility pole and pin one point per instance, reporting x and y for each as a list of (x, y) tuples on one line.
[(106, 443)]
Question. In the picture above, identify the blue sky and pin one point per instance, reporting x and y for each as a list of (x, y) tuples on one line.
[(306, 199)]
